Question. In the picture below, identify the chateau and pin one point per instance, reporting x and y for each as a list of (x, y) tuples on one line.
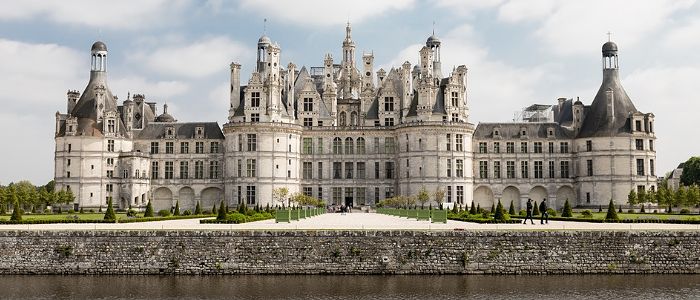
[(350, 134)]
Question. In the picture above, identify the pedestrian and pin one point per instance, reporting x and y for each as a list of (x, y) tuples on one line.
[(529, 212), (543, 210)]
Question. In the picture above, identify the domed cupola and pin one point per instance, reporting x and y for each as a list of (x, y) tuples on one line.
[(165, 117)]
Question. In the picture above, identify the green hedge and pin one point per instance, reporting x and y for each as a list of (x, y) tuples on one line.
[(486, 221), (130, 220), (589, 220), (150, 219), (239, 218)]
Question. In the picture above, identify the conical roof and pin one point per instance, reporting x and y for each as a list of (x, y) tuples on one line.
[(609, 113)]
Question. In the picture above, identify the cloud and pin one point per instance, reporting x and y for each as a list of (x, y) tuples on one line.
[(468, 7), (321, 12), (517, 11), (195, 59), (160, 91), (97, 13), (684, 36)]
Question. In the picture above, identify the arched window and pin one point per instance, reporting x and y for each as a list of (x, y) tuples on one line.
[(353, 118), (337, 146), (360, 145), (341, 119), (349, 146)]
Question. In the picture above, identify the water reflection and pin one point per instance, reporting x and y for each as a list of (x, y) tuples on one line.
[(351, 287)]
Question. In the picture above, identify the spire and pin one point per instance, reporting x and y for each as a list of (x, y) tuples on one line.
[(348, 48)]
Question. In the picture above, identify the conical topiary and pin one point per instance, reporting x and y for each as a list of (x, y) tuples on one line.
[(567, 213), (511, 209), (612, 214), (499, 213), (535, 209), (177, 208), (16, 213), (109, 214), (493, 207), (198, 209), (213, 209), (472, 210), (642, 209), (478, 208), (149, 210), (222, 212), (454, 209)]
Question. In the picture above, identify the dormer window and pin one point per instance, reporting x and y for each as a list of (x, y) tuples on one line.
[(550, 132), (170, 132), (199, 132), (523, 132), (638, 125)]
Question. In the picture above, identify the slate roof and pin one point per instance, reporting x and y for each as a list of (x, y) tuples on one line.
[(512, 130), (155, 130), (597, 121)]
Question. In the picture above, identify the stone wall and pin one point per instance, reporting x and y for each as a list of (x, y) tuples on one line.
[(348, 252)]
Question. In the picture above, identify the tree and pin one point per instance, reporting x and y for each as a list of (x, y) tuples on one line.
[(177, 208), (242, 209), (511, 209), (149, 210), (499, 214), (198, 209), (213, 209), (110, 215), (222, 212), (693, 195), (472, 209), (663, 196), (280, 194), (642, 197), (632, 198), (612, 214), (536, 209), (439, 196), (16, 213), (567, 213), (691, 171), (423, 196), (680, 196)]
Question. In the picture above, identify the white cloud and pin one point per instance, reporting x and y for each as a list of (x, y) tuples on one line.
[(322, 12), (684, 36), (97, 13), (468, 7), (670, 93), (518, 10), (194, 60), (159, 91)]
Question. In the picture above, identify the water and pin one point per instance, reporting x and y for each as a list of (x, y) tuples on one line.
[(352, 287)]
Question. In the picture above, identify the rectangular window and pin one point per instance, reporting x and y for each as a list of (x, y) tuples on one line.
[(319, 172), (308, 104), (458, 142), (320, 193), (319, 146), (389, 192), (449, 142), (388, 121), (550, 169), (307, 190), (551, 147), (169, 148), (214, 147), (483, 169), (524, 170), (68, 162), (496, 147), (199, 147), (510, 169), (638, 125), (251, 167), (308, 122), (109, 188), (337, 195), (640, 167), (199, 169), (589, 167), (389, 169), (460, 168), (651, 145), (337, 170), (449, 194), (110, 145), (564, 169), (523, 147), (307, 170), (454, 97), (388, 103), (240, 168), (110, 173), (589, 145), (376, 170), (184, 147), (255, 99), (497, 169), (460, 194), (537, 147), (449, 167), (510, 147), (213, 169), (361, 170), (564, 147), (110, 125), (389, 146), (376, 195), (349, 169), (483, 147), (538, 170), (360, 194), (252, 142), (169, 170), (651, 168), (250, 195), (184, 170), (639, 144), (154, 170), (308, 145), (337, 146)]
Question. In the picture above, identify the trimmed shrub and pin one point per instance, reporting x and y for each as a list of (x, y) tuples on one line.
[(685, 211), (187, 212), (567, 213), (536, 209), (642, 209), (587, 214), (149, 210), (109, 214), (499, 214), (198, 209), (222, 212), (16, 213), (612, 214), (620, 210), (236, 218), (176, 212), (131, 213), (522, 213), (551, 212), (472, 209), (511, 210), (478, 209), (213, 209), (164, 213), (631, 211)]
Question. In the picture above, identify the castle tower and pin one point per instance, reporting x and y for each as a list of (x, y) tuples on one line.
[(368, 66), (235, 89), (348, 49), (433, 43), (263, 43)]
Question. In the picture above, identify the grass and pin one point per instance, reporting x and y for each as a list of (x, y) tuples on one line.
[(633, 216), (65, 216)]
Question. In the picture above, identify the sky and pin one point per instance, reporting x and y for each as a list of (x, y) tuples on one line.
[(519, 52)]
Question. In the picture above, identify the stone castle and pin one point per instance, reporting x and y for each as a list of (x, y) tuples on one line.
[(351, 135)]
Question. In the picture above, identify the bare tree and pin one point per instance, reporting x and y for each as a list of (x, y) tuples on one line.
[(439, 196), (280, 194)]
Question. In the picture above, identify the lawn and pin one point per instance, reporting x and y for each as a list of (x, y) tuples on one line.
[(629, 216), (53, 217)]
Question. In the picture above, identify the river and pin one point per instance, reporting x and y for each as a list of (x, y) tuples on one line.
[(352, 287)]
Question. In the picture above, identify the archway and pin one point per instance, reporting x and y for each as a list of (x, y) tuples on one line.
[(162, 199), (537, 194), (564, 193), (483, 196), (186, 198), (511, 193), (211, 196)]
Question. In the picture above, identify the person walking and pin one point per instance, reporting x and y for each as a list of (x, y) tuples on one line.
[(543, 210), (529, 212)]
